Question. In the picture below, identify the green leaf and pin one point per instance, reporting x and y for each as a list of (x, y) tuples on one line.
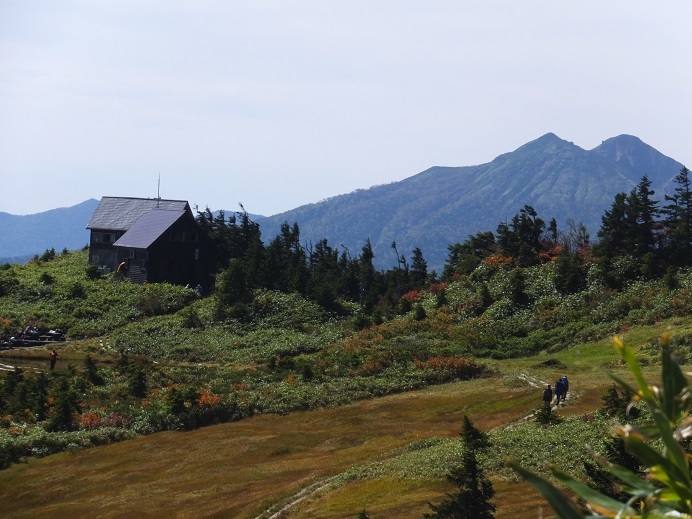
[(628, 355), (674, 451), (625, 475), (563, 505), (594, 497), (674, 383)]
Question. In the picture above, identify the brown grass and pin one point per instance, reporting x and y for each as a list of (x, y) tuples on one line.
[(241, 469)]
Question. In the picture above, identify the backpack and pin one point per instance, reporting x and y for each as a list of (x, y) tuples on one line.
[(565, 382), (547, 394)]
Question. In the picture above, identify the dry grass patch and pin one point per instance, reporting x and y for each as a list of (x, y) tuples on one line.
[(240, 469)]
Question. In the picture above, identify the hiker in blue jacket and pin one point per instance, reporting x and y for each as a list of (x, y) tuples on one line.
[(565, 383)]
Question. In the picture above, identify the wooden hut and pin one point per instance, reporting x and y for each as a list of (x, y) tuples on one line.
[(150, 241)]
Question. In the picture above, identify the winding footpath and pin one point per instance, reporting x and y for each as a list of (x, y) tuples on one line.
[(320, 485)]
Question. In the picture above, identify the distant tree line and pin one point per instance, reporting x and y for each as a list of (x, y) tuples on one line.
[(639, 238), (318, 271)]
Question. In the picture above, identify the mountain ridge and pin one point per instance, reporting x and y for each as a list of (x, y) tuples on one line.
[(441, 205), (24, 236), (444, 205)]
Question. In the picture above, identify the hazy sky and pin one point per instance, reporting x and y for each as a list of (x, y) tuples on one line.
[(276, 104)]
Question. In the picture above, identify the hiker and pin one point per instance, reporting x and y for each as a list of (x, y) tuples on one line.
[(559, 391), (547, 394), (53, 358), (565, 383)]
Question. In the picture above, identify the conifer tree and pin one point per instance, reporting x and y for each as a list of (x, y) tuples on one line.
[(66, 404), (644, 213), (570, 276), (472, 501), (324, 280), (464, 257), (521, 240), (419, 269), (367, 277), (615, 229), (678, 221)]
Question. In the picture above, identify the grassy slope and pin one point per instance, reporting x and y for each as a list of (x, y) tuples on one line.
[(240, 469)]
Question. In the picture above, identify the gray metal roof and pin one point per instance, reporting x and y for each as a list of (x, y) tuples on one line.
[(148, 228), (119, 214)]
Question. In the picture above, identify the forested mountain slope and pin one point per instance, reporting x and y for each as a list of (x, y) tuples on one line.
[(63, 228), (444, 205)]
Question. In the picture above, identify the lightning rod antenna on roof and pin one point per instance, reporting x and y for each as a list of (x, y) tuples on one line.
[(158, 192)]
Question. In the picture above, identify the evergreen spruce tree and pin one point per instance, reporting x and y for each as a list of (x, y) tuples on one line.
[(66, 404), (570, 276), (232, 289), (611, 402), (91, 372), (419, 269), (323, 284), (472, 501), (522, 239), (464, 257), (545, 416), (367, 277), (517, 287), (678, 221), (614, 233)]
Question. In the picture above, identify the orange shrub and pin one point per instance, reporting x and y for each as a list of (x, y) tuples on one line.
[(498, 260), (90, 420), (207, 398)]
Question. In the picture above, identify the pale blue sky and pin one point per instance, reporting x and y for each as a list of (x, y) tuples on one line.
[(282, 103)]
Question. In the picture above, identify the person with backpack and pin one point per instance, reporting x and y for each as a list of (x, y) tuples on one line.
[(565, 383), (547, 394), (559, 391)]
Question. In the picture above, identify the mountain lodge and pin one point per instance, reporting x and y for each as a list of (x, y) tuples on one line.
[(150, 240)]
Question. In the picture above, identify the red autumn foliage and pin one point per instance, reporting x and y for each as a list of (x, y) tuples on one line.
[(550, 252), (207, 398), (437, 287), (498, 260), (90, 420), (412, 296), (461, 367)]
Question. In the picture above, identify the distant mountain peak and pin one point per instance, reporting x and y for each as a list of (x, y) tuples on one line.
[(550, 136), (433, 209), (547, 143), (635, 154), (444, 205)]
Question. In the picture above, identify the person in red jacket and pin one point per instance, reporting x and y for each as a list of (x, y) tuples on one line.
[(53, 358)]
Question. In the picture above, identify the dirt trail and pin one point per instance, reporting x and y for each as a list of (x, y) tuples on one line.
[(297, 498), (318, 486)]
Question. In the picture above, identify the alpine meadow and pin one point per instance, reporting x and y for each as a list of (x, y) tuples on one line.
[(307, 381)]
